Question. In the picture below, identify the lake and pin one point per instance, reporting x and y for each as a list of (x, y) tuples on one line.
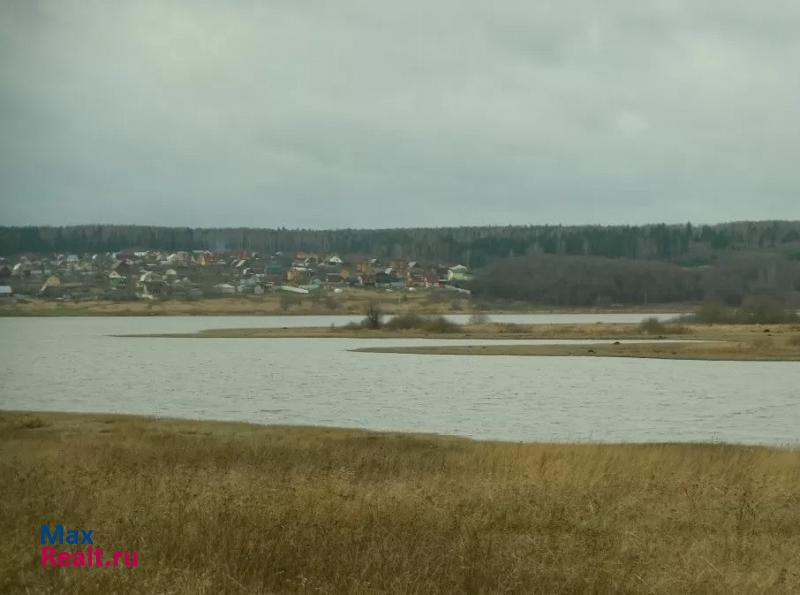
[(72, 364)]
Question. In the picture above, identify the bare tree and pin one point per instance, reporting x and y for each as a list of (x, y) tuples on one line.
[(374, 316)]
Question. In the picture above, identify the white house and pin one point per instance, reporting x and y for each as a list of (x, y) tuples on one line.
[(224, 289)]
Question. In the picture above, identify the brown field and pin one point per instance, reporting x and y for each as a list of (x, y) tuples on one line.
[(351, 301), (483, 331), (664, 350), (489, 330), (744, 347), (777, 342), (233, 508)]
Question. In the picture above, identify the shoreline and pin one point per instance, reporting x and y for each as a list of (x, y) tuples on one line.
[(37, 419), (684, 351), (778, 342), (352, 303), (492, 330)]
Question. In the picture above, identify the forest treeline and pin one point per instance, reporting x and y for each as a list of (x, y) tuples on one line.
[(599, 281), (475, 247), (558, 265)]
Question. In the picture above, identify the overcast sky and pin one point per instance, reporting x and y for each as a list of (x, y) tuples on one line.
[(361, 113)]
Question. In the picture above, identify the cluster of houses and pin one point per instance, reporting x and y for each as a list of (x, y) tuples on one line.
[(155, 274)]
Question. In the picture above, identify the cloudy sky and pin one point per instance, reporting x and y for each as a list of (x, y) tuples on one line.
[(361, 113)]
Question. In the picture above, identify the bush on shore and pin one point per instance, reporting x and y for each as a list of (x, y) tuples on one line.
[(754, 310), (405, 322), (653, 326), (432, 324)]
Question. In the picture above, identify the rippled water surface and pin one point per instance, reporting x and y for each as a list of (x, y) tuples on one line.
[(71, 364)]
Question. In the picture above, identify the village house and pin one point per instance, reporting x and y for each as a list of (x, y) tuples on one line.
[(415, 275), (51, 287), (275, 273), (334, 278), (152, 274), (224, 289), (78, 291), (399, 267), (292, 289), (116, 281), (458, 273), (179, 259), (355, 281), (203, 258), (305, 259), (298, 274), (388, 280), (22, 268), (150, 285), (124, 267)]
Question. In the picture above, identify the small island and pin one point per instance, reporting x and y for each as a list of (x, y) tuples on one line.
[(687, 339)]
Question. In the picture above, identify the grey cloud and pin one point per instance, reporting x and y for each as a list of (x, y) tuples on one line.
[(361, 113)]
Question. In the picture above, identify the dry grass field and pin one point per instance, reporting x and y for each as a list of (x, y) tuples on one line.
[(741, 343), (234, 508), (456, 331), (488, 330), (350, 301)]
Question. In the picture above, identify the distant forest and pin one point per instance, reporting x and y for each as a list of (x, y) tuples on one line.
[(598, 281), (560, 265), (472, 246)]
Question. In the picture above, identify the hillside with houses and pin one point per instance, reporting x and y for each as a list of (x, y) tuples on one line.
[(191, 275), (546, 265)]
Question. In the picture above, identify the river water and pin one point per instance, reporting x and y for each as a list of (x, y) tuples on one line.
[(73, 364)]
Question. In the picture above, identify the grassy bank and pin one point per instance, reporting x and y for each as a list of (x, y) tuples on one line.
[(348, 303), (768, 350), (779, 342), (351, 301), (491, 330), (221, 507), (469, 331)]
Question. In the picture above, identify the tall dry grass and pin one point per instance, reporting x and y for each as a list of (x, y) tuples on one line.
[(654, 326), (413, 321), (231, 508)]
